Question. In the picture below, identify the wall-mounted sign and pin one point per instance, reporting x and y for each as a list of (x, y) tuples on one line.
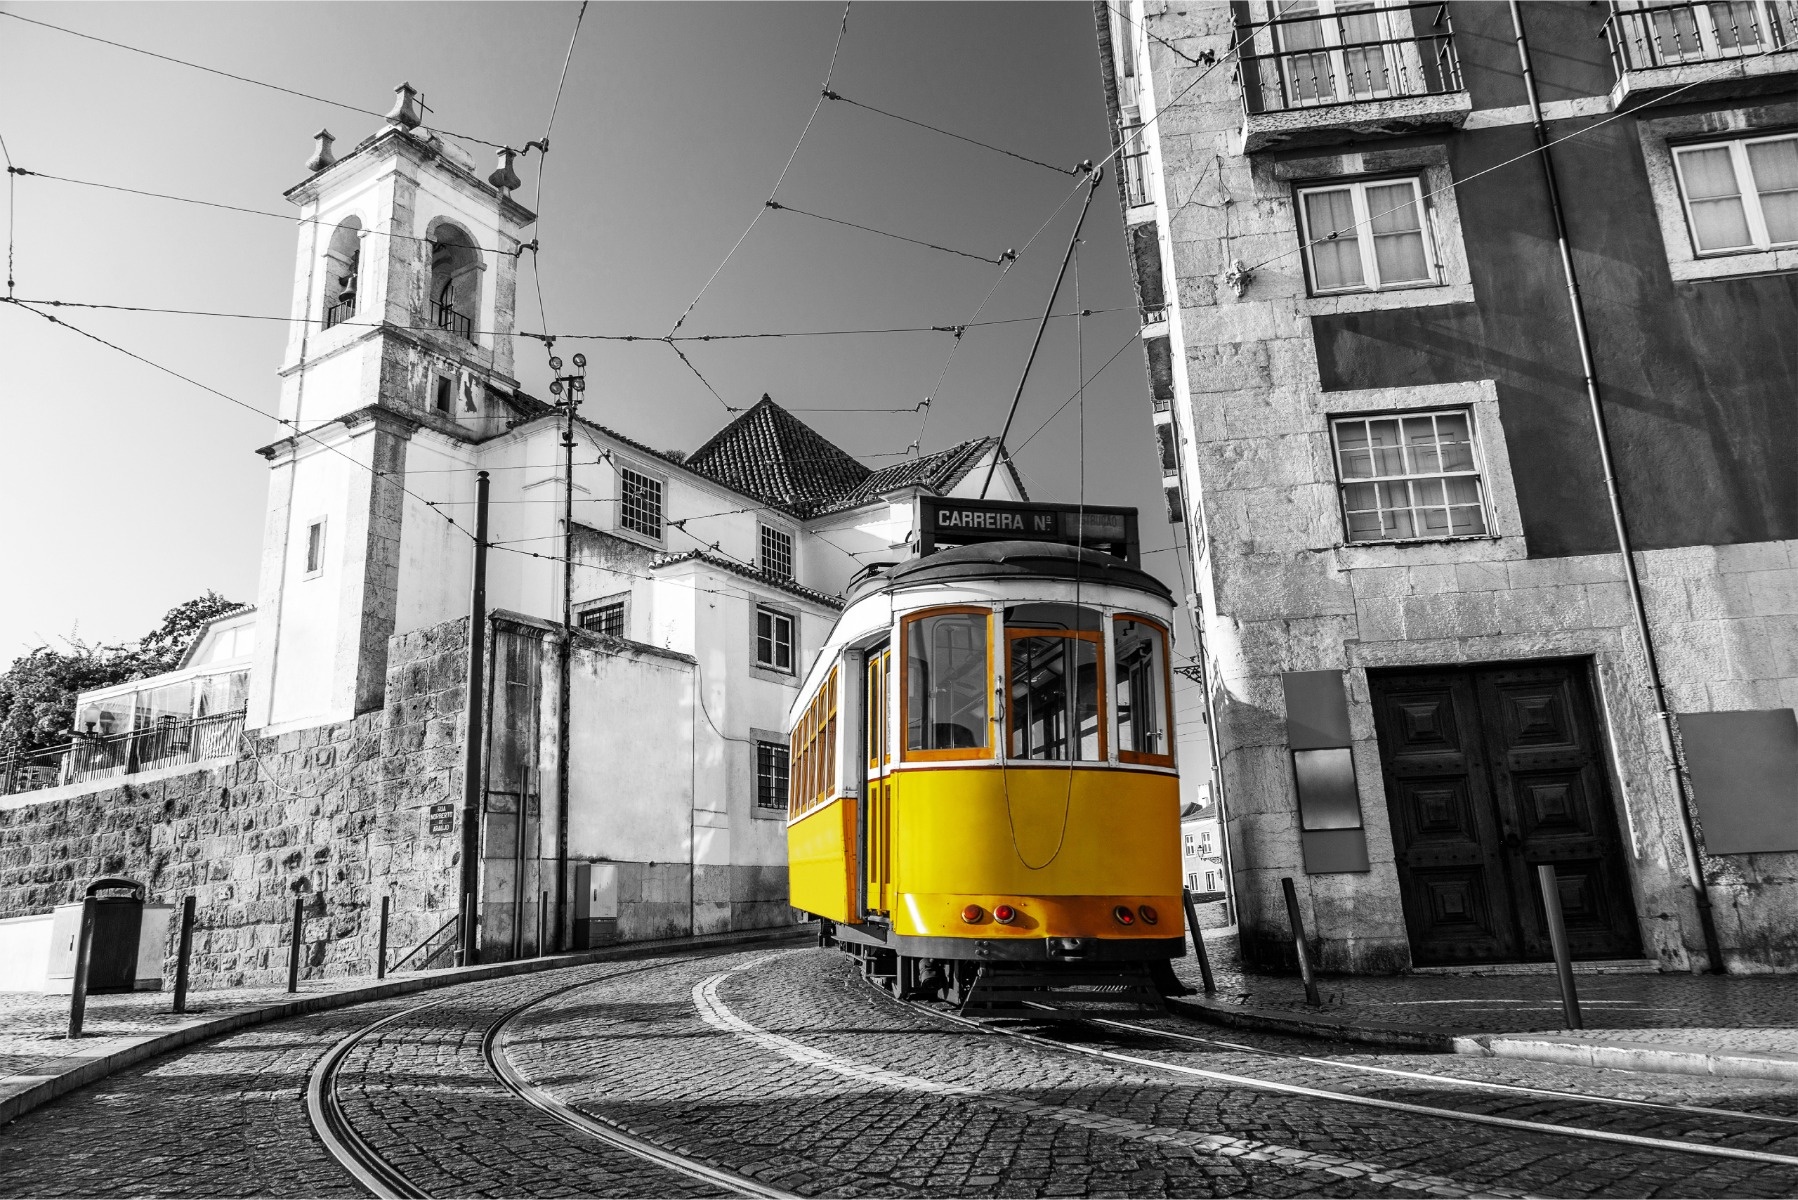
[(442, 819), (946, 521)]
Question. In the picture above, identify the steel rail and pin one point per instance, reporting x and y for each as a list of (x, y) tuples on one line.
[(1456, 1081), (1638, 1141), (494, 1051), (380, 1178)]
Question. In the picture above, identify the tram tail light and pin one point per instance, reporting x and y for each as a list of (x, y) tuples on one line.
[(1123, 915), (1149, 915), (973, 914), (1005, 914)]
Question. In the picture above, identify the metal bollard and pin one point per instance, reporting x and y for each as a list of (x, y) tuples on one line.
[(183, 951), (1298, 942), (1198, 941), (84, 947), (542, 924), (1557, 936), (293, 948), (381, 943)]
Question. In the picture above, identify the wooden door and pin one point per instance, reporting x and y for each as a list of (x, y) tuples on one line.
[(1490, 772), (877, 821)]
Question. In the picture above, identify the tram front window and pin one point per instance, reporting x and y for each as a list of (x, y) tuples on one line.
[(946, 682), (1054, 697), (1141, 650)]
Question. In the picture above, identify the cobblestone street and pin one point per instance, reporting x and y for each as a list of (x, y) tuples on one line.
[(773, 1070)]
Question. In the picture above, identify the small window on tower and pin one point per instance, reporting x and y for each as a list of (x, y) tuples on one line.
[(777, 552), (445, 389), (315, 549)]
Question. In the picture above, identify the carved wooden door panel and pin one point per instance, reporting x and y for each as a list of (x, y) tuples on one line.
[(1489, 773)]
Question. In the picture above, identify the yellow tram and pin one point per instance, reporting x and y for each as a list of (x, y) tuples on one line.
[(982, 791)]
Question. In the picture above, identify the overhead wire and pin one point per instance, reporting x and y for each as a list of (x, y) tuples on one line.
[(12, 203), (830, 95), (273, 87), (898, 237), (542, 162), (837, 50)]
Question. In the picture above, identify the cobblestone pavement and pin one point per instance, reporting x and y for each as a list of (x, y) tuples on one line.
[(1722, 1012), (786, 1066)]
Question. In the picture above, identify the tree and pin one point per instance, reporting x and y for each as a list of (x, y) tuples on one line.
[(38, 691)]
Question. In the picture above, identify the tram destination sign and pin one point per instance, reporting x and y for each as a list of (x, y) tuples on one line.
[(946, 521)]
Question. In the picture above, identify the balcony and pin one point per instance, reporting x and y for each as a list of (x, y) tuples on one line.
[(164, 741), (447, 318), (1702, 51), (1345, 76), (1135, 160)]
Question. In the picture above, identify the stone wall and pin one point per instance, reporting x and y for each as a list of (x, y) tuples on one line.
[(332, 815)]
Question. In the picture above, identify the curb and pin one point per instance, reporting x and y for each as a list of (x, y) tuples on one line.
[(1669, 1058), (146, 1046)]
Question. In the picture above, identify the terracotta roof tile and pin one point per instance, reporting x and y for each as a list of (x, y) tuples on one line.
[(771, 454)]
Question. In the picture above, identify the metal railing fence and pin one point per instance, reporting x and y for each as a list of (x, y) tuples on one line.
[(168, 742), (1665, 35), (1351, 57), (445, 317)]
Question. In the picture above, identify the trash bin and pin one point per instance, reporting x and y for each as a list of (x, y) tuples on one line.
[(128, 943)]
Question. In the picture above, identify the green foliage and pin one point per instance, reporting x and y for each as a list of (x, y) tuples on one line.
[(38, 691)]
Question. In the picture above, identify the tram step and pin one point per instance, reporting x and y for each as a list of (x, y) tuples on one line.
[(1128, 985)]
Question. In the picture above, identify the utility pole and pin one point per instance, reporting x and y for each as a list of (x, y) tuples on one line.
[(568, 389), (472, 779)]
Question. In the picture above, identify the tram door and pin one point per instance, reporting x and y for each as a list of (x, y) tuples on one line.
[(877, 826)]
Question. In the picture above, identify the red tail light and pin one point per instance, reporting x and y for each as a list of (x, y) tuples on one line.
[(1149, 915), (973, 914), (1005, 914), (1124, 915)]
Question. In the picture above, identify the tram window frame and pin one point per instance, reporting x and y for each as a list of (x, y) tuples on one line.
[(985, 750), (1096, 638), (1138, 757), (812, 752)]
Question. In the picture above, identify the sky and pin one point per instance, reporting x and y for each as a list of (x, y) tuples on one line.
[(127, 491)]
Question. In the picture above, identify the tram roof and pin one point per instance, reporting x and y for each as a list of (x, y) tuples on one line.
[(1008, 560)]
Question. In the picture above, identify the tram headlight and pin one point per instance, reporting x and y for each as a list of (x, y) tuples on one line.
[(1005, 914), (1123, 915), (973, 914), (1149, 915)]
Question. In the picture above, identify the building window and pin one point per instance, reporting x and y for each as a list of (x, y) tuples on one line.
[(773, 640), (1740, 195), (1409, 478), (1191, 844), (315, 549), (640, 503), (1192, 881), (1366, 237), (1211, 881), (777, 552), (771, 776), (1204, 845), (445, 390), (606, 619)]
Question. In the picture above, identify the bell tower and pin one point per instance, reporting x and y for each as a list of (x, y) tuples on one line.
[(399, 356)]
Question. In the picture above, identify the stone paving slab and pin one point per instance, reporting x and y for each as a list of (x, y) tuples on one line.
[(1745, 1026), (40, 1063)]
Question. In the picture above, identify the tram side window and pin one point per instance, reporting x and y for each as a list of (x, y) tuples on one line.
[(1142, 696), (1053, 678), (812, 777), (946, 682)]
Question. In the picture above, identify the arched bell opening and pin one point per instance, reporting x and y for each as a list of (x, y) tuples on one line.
[(455, 280), (343, 269)]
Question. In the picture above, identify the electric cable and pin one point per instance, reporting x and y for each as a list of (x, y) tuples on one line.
[(273, 87), (842, 29), (1130, 341), (898, 237), (830, 95), (542, 161), (12, 203)]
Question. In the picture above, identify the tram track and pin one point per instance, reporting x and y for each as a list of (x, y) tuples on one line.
[(1614, 1137), (379, 1176)]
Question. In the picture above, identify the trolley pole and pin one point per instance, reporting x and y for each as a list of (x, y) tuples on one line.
[(568, 390), (475, 710)]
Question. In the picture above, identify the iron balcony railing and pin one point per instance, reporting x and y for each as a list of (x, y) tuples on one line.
[(445, 317), (1135, 157), (1356, 57), (340, 312), (168, 742), (1665, 35)]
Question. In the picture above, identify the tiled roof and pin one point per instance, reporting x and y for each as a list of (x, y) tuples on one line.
[(770, 453), (756, 573), (939, 472)]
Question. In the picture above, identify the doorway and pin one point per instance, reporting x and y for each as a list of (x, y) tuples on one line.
[(1489, 772), (877, 759)]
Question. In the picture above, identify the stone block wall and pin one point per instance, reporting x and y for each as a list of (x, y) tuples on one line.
[(330, 815)]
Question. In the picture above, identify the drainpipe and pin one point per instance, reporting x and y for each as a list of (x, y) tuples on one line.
[(1669, 746)]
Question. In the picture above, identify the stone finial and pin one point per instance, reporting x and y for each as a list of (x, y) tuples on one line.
[(321, 153), (405, 109), (504, 177)]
